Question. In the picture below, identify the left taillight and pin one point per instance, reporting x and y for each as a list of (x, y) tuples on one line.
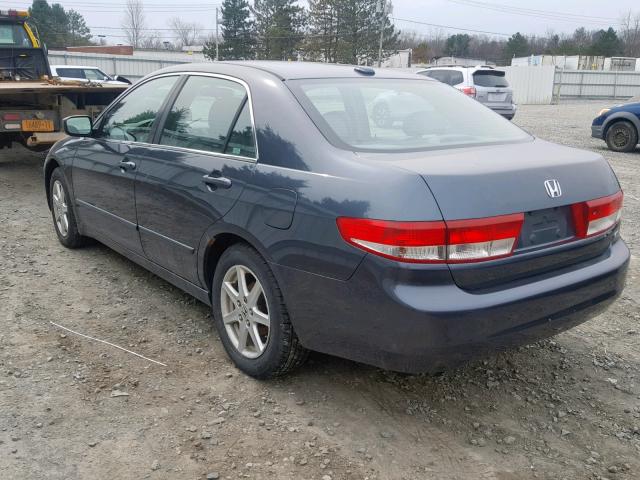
[(470, 91), (597, 216), (456, 241)]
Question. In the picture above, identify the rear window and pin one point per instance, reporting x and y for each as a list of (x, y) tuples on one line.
[(450, 77), (490, 78), (14, 35), (396, 115)]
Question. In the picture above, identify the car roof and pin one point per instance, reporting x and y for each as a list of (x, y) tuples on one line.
[(457, 67), (74, 66), (294, 70)]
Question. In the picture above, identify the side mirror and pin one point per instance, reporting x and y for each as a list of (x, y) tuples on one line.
[(78, 126), (118, 78)]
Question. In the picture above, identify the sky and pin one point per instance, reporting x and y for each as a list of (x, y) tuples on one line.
[(500, 18)]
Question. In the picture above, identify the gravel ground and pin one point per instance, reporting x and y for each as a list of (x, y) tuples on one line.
[(566, 408)]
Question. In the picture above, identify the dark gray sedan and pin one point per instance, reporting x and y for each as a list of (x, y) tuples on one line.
[(270, 192)]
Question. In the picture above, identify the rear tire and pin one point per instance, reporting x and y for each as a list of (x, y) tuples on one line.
[(622, 136), (251, 316), (64, 219)]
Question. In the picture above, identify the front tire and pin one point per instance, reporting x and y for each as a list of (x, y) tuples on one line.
[(251, 316), (64, 219), (622, 136)]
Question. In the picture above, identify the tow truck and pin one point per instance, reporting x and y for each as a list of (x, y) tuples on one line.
[(32, 102)]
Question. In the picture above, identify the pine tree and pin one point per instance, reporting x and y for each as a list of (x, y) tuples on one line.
[(57, 27), (237, 31), (348, 31), (323, 28), (79, 33), (279, 28)]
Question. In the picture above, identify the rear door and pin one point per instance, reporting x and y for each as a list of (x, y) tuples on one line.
[(204, 154), (105, 166), (492, 88)]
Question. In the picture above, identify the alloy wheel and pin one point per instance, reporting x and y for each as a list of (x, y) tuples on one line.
[(60, 208), (245, 312)]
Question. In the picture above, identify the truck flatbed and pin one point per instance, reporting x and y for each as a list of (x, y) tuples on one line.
[(40, 86)]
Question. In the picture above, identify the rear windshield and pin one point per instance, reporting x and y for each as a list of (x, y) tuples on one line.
[(490, 78), (13, 35), (396, 115)]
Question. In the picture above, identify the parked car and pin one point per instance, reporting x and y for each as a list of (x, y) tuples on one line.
[(267, 190), (86, 74), (484, 83), (619, 126)]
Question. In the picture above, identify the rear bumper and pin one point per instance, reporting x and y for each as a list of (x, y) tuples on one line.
[(597, 131), (506, 111), (419, 320)]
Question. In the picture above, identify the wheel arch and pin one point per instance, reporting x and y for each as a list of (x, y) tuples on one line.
[(215, 242), (50, 165)]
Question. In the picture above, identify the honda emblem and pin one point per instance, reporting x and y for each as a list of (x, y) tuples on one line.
[(553, 188)]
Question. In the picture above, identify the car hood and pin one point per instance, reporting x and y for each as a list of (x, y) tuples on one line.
[(476, 182)]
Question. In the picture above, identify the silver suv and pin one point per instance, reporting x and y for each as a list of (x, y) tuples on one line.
[(484, 83)]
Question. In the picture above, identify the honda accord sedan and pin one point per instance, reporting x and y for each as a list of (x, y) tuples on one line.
[(270, 192)]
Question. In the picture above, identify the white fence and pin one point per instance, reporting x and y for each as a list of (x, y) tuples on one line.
[(570, 84), (531, 84), (131, 67)]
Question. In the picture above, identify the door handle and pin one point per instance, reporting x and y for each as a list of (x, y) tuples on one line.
[(127, 165), (216, 182)]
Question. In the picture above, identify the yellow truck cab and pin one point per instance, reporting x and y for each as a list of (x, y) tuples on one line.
[(15, 31)]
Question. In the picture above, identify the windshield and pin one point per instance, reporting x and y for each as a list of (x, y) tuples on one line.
[(393, 115), (13, 35)]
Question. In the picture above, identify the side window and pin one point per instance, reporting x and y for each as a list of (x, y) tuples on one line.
[(241, 141), (203, 114), (132, 118), (92, 74), (70, 72)]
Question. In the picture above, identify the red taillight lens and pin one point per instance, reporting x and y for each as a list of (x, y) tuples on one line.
[(404, 241), (11, 117), (471, 91), (435, 242), (483, 238), (597, 216)]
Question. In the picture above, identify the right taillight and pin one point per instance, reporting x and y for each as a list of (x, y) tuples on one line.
[(454, 241), (597, 216)]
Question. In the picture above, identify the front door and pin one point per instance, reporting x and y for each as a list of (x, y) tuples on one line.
[(204, 156), (105, 166)]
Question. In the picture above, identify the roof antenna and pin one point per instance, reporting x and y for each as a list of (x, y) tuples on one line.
[(365, 70)]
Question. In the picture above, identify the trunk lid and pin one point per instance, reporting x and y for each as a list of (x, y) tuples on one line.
[(496, 180)]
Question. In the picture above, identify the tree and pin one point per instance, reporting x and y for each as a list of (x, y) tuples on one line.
[(79, 33), (279, 25), (517, 46), (458, 45), (630, 34), (606, 43), (348, 31), (322, 40), (187, 33), (133, 22), (57, 27), (238, 40)]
